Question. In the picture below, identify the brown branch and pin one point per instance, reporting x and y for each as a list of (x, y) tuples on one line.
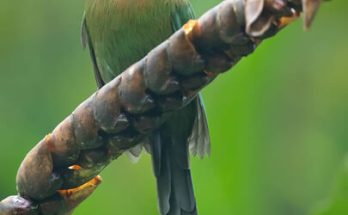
[(62, 170)]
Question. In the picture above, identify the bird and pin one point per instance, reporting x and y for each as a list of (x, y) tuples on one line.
[(118, 33)]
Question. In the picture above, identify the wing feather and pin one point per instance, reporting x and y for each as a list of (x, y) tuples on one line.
[(199, 141), (86, 42)]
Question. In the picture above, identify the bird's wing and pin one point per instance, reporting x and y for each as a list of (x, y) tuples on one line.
[(86, 42), (199, 141)]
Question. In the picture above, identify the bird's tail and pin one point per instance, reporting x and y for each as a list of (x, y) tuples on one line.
[(174, 183)]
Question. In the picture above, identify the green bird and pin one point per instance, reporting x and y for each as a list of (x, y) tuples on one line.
[(118, 33)]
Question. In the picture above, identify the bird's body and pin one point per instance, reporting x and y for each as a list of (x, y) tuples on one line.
[(121, 32)]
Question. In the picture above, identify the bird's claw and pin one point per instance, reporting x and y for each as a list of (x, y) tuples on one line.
[(262, 15), (65, 201), (75, 196), (309, 8)]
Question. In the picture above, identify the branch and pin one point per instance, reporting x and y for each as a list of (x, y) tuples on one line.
[(62, 170)]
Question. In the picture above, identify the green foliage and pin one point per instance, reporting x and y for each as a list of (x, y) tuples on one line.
[(278, 121), (337, 202)]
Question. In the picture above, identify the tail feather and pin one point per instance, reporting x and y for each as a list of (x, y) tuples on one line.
[(183, 190), (181, 177), (174, 183), (170, 156)]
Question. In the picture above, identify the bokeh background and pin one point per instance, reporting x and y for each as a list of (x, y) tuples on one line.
[(278, 120)]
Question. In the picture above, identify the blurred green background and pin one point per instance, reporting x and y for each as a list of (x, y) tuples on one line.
[(278, 121)]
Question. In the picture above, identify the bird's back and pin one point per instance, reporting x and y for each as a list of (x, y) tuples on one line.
[(123, 31)]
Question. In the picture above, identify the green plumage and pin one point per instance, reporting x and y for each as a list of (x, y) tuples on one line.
[(121, 32)]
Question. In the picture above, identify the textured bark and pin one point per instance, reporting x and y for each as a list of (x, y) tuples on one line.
[(62, 170)]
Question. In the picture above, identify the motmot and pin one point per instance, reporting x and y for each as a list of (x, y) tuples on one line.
[(118, 33)]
